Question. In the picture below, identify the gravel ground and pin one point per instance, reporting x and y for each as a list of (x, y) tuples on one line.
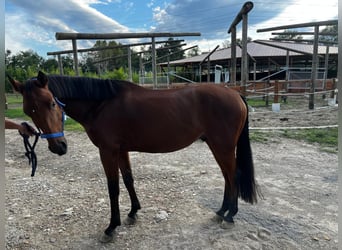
[(66, 205)]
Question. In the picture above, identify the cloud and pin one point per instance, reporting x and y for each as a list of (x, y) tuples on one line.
[(38, 21), (33, 24), (213, 18), (150, 4), (303, 11)]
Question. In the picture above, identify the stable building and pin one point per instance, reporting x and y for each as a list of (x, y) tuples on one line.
[(267, 60)]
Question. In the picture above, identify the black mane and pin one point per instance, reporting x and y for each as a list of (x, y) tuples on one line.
[(84, 88)]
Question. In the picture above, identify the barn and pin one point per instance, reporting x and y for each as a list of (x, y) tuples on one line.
[(267, 59)]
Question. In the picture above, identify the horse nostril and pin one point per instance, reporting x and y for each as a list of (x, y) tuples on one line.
[(63, 146)]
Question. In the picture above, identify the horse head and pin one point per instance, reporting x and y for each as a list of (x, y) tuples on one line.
[(44, 109)]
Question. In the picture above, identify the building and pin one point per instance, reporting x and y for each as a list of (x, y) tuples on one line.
[(266, 60)]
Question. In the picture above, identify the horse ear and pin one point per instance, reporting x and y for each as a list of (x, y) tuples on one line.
[(16, 85), (42, 79)]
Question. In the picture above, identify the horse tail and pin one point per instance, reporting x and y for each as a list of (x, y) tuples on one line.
[(246, 184)]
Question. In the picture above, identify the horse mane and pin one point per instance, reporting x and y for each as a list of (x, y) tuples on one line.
[(84, 88)]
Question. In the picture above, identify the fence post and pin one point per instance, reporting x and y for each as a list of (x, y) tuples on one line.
[(276, 92), (267, 83)]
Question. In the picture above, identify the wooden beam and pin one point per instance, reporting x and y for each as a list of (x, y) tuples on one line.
[(289, 33), (247, 7), (106, 48), (209, 54), (301, 25), (98, 36)]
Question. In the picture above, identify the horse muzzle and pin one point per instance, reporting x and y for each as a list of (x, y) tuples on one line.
[(58, 146)]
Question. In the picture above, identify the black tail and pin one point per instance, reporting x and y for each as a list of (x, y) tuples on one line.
[(245, 168)]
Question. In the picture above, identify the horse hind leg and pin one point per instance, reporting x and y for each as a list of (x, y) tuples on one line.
[(225, 157), (128, 180)]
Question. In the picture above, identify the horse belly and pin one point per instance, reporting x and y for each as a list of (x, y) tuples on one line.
[(162, 139)]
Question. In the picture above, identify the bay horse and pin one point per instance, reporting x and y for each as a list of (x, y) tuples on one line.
[(119, 117)]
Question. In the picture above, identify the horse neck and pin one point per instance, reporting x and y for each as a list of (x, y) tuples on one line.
[(81, 111)]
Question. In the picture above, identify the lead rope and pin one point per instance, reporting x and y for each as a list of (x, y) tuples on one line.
[(30, 154)]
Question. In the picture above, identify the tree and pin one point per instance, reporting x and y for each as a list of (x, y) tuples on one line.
[(25, 60), (330, 38), (239, 40), (50, 66), (193, 52), (171, 49), (292, 36), (21, 66), (226, 44)]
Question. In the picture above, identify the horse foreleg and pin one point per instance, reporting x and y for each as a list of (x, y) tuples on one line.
[(127, 176), (111, 167)]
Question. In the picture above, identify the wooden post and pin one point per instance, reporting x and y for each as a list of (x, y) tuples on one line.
[(129, 57), (326, 66), (244, 67), (154, 63), (233, 56), (314, 70), (267, 84), (208, 67), (141, 70), (60, 65), (242, 15), (287, 65), (168, 72), (276, 92), (208, 57), (74, 48), (332, 93), (200, 73)]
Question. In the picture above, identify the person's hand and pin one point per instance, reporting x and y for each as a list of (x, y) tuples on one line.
[(26, 129)]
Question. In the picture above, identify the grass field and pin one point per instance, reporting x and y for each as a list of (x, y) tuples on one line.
[(15, 111)]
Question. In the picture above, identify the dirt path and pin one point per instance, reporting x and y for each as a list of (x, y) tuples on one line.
[(65, 206)]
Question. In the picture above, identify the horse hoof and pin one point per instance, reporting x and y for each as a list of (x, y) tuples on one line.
[(217, 219), (227, 225), (130, 221), (106, 238)]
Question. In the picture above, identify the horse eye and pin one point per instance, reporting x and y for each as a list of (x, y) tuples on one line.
[(53, 105)]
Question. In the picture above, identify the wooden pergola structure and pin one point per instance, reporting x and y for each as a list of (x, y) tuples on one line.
[(106, 36), (128, 46), (242, 15)]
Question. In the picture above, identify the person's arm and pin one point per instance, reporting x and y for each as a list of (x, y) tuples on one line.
[(22, 128), (12, 125)]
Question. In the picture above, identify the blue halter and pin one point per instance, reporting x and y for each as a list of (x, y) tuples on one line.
[(57, 134)]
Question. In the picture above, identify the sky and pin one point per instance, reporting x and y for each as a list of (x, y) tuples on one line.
[(32, 25)]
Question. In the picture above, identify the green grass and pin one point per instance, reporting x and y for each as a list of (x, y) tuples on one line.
[(14, 99), (257, 136), (327, 138), (18, 113), (71, 125), (259, 102)]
